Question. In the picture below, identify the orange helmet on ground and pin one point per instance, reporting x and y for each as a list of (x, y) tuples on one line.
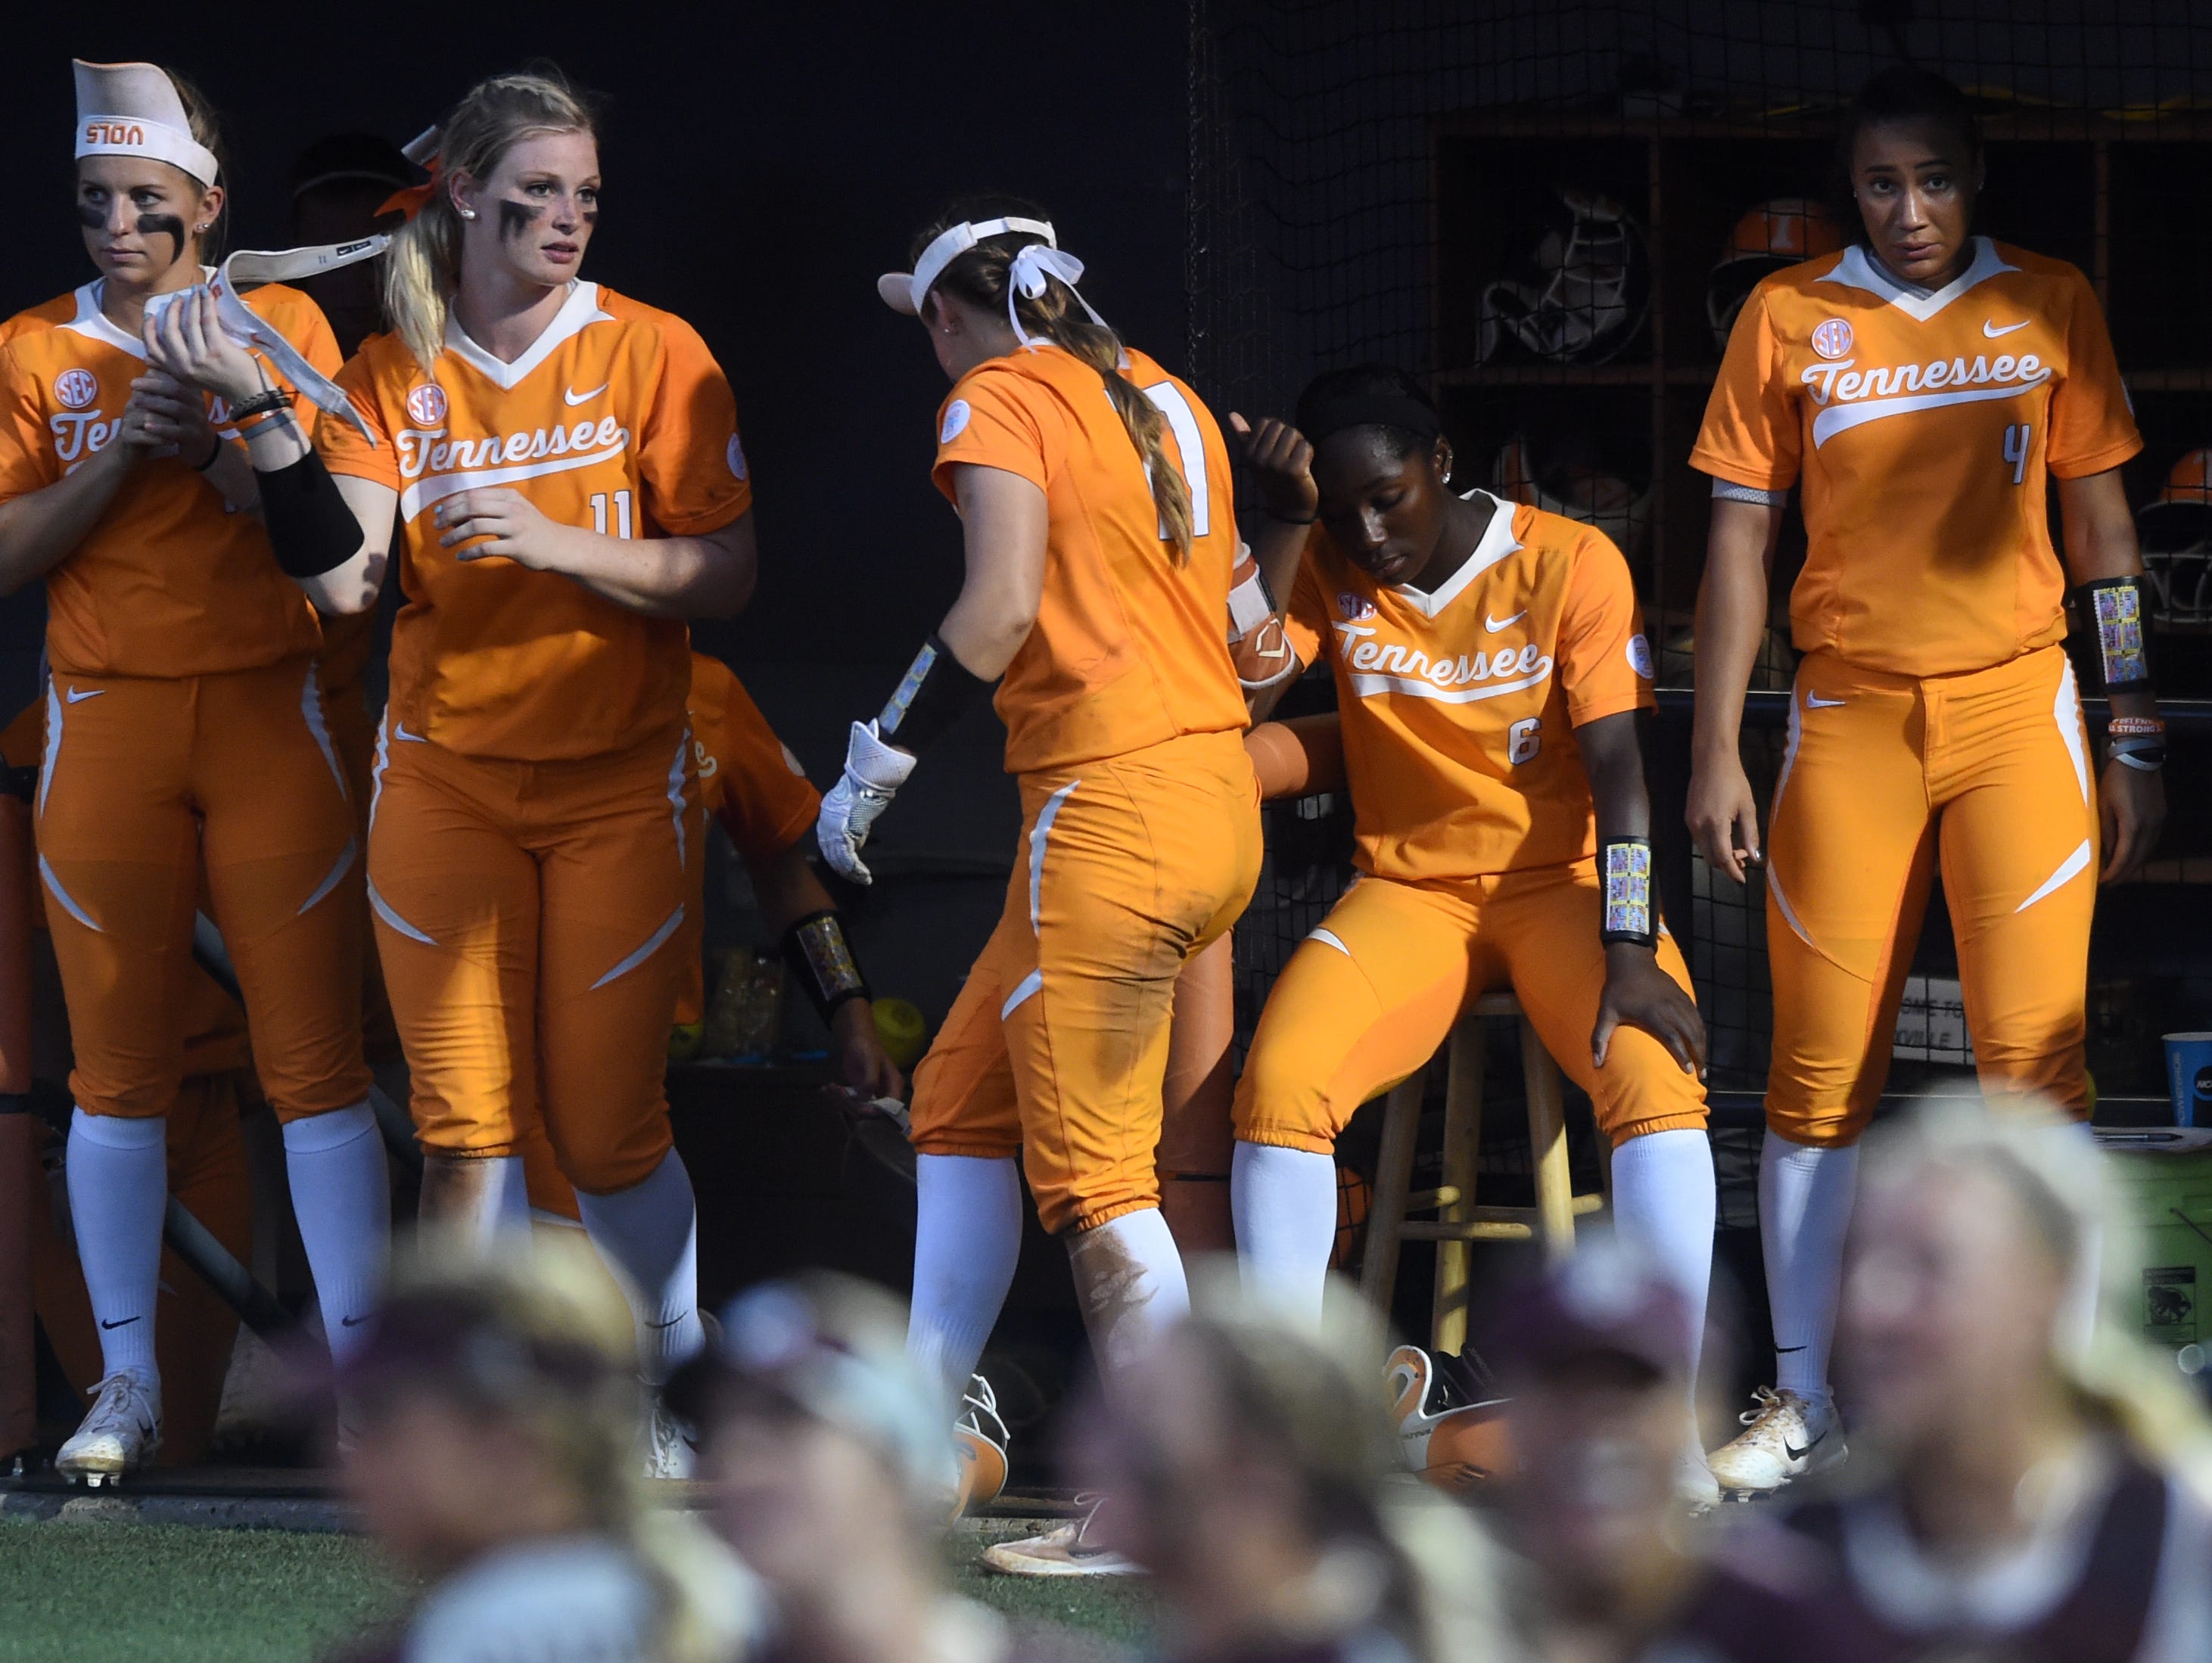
[(1769, 237)]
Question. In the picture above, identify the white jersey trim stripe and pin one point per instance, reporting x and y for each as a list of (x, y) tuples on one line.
[(311, 707), (383, 911), (421, 494), (1842, 418), (2067, 712), (1039, 838), (578, 312), (1856, 271), (1029, 984), (344, 865), (1368, 686), (1329, 938), (652, 944), (69, 905)]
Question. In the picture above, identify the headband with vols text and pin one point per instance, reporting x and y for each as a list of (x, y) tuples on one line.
[(134, 110)]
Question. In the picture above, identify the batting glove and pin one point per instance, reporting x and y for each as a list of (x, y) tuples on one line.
[(874, 773)]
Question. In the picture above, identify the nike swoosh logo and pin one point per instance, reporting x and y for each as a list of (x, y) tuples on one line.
[(351, 1321), (125, 1323), (1989, 327), (576, 397), (1814, 702), (77, 698), (1797, 1455), (671, 1323), (400, 732), (1493, 625)]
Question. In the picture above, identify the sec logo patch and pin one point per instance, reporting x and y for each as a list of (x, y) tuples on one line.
[(76, 388), (737, 457), (426, 404), (1832, 339), (1354, 607), (956, 422), (1639, 656)]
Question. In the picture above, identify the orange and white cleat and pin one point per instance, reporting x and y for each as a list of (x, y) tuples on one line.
[(979, 1444), (1450, 1418)]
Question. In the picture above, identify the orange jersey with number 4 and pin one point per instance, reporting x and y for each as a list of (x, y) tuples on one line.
[(1130, 646), (1922, 426), (1459, 706), (170, 582), (616, 419)]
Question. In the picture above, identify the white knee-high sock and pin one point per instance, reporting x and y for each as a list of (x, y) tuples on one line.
[(1805, 1197), (343, 1199), (967, 1240), (119, 1190), (1663, 1206), (1283, 1202), (650, 1232), (1129, 1281)]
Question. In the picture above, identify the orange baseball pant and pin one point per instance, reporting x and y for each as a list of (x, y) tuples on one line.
[(1056, 1047), (145, 783), (526, 913), (1988, 773), (1369, 996)]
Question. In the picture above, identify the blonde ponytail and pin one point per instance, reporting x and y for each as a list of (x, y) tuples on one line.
[(423, 267), (980, 276)]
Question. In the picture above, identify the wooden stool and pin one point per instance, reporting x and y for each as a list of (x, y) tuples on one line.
[(1458, 1221)]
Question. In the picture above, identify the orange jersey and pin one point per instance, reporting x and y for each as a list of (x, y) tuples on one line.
[(1130, 648), (169, 582), (748, 778), (1923, 428), (1459, 708), (617, 418)]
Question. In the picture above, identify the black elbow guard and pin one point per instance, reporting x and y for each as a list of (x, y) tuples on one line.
[(824, 963), (310, 528)]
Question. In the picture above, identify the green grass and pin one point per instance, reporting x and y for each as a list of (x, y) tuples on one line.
[(181, 1592), (122, 1592), (1114, 1608)]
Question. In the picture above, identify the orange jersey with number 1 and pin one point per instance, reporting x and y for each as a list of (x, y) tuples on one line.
[(1922, 427), (1130, 648), (617, 418)]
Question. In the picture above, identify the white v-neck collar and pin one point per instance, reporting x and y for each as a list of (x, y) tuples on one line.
[(1858, 270), (579, 310), (1497, 541), (95, 324)]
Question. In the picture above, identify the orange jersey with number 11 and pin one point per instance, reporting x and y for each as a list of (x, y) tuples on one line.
[(617, 418)]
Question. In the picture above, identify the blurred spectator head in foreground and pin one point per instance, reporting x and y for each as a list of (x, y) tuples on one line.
[(1592, 1356), (1250, 1464), (831, 1464), (490, 1436)]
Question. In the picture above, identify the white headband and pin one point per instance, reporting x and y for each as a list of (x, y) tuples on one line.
[(904, 291), (251, 267), (1033, 263), (133, 109)]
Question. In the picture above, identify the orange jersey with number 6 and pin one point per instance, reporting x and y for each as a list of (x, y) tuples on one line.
[(1459, 706), (1130, 648), (1922, 426), (616, 419), (170, 582)]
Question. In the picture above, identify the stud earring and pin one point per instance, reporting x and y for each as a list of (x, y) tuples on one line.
[(468, 213)]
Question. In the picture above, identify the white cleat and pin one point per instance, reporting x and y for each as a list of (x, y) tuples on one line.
[(1785, 1437), (666, 1444), (1069, 1551), (1695, 1487), (120, 1434), (979, 1443)]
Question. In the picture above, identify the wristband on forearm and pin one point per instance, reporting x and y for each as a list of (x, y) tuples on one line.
[(2136, 742), (2113, 609), (310, 530), (1624, 874), (935, 692), (823, 960)]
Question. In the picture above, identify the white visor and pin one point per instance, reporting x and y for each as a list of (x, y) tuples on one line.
[(133, 109), (904, 291)]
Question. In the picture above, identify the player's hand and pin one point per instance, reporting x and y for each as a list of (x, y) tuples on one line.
[(173, 414), (1639, 993), (1723, 816), (509, 524), (856, 1052), (1279, 457), (2132, 803), (136, 438), (187, 342), (874, 773)]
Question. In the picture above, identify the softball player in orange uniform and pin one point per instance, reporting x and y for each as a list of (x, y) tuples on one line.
[(184, 734), (1490, 662), (570, 485), (1923, 388), (1094, 495)]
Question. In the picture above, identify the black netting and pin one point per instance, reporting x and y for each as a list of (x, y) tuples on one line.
[(1547, 209)]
